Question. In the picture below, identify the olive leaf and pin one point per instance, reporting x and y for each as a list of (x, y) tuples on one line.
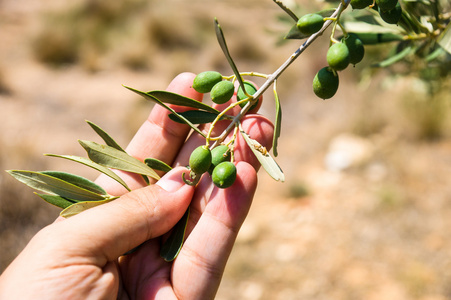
[(267, 162), (77, 180), (395, 58), (112, 158), (79, 207), (156, 100), (195, 116), (287, 10), (176, 99), (171, 248), (444, 39), (54, 186), (57, 200), (93, 165), (157, 164), (278, 122), (225, 50), (105, 136)]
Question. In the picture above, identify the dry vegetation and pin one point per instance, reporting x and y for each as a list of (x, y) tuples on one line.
[(366, 209)]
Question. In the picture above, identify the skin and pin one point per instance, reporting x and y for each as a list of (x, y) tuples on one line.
[(81, 257)]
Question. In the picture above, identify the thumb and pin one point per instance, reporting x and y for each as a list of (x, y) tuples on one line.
[(114, 228)]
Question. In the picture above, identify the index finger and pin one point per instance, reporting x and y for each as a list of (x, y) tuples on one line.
[(158, 137)]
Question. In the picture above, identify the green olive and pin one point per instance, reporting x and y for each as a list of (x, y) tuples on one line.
[(386, 5), (222, 92), (338, 56), (250, 89), (310, 23), (200, 160), (219, 154), (224, 174), (325, 83), (204, 82), (355, 47), (391, 16), (360, 4)]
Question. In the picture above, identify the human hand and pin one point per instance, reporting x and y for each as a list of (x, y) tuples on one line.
[(82, 257)]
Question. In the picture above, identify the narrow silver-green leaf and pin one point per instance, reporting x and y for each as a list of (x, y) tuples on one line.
[(157, 164), (54, 186), (105, 136), (78, 181), (57, 200), (171, 248), (154, 99), (268, 163), (225, 50), (79, 207), (195, 116), (395, 58), (444, 39), (112, 158), (278, 122), (287, 10), (93, 165), (176, 99)]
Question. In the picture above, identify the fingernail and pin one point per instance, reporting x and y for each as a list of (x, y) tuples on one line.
[(172, 181)]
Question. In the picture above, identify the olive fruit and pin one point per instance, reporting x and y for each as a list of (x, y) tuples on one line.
[(222, 92), (386, 5), (204, 82), (224, 174), (360, 4), (325, 83), (219, 154), (250, 89), (200, 160), (355, 47), (310, 23), (391, 16), (338, 56)]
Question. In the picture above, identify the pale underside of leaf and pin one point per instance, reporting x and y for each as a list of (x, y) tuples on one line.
[(78, 181), (105, 136), (79, 207), (93, 165), (268, 163), (444, 39), (278, 122), (112, 158), (54, 186)]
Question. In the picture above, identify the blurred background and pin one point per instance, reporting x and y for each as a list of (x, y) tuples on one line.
[(365, 212)]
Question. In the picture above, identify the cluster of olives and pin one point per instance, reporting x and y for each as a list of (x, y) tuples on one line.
[(389, 10), (349, 50), (221, 91), (216, 162)]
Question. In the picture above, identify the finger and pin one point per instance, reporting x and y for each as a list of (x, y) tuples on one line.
[(158, 137), (105, 232), (205, 252)]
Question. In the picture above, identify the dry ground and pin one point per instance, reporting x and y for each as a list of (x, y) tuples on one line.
[(375, 228)]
